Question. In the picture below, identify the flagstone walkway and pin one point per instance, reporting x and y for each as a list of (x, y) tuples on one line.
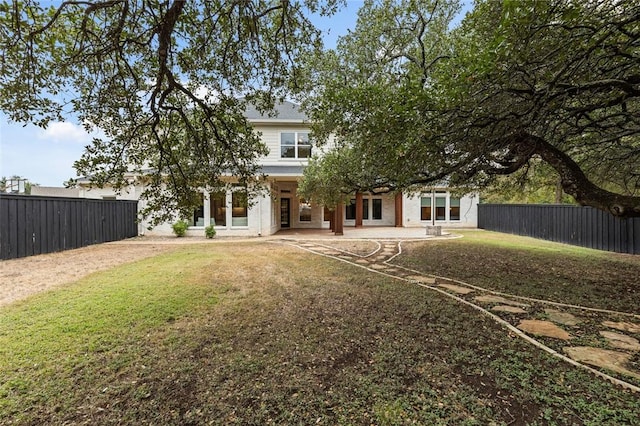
[(601, 341)]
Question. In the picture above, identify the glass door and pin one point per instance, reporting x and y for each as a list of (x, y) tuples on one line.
[(285, 213)]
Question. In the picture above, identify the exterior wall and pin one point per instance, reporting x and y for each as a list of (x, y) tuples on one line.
[(107, 193), (270, 134), (289, 190), (263, 216), (54, 191), (264, 213), (258, 214), (257, 220), (274, 209), (271, 137), (388, 211), (468, 211)]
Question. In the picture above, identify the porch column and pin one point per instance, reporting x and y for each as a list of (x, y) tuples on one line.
[(399, 210), (332, 220), (359, 212), (206, 206), (338, 219)]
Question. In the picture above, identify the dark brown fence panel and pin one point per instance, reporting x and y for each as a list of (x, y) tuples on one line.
[(580, 226), (31, 225)]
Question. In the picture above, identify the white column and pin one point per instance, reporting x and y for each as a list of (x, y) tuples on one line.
[(206, 207)]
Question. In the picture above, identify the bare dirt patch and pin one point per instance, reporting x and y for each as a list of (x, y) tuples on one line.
[(21, 278), (359, 247)]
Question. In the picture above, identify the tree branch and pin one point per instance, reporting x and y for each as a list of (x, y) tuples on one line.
[(575, 182)]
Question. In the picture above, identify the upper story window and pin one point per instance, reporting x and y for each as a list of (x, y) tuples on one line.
[(295, 145)]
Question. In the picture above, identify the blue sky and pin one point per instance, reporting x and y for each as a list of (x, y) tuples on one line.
[(46, 156)]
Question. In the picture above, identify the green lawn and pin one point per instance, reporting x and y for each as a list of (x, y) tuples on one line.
[(259, 333)]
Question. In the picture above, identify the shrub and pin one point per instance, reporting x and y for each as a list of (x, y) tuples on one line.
[(180, 228), (210, 231)]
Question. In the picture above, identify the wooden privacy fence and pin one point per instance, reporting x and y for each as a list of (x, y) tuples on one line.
[(31, 225), (580, 226)]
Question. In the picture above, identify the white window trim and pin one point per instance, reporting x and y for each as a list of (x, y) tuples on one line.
[(295, 146), (229, 212), (447, 207)]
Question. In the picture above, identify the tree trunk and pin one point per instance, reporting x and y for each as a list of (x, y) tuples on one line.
[(575, 183), (559, 191), (359, 210), (338, 219)]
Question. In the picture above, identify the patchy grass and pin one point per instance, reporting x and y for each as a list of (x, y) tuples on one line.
[(265, 334), (532, 268), (357, 247)]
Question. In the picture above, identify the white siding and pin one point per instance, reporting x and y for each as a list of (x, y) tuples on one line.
[(263, 217), (54, 191), (468, 212), (388, 211), (271, 137), (257, 219)]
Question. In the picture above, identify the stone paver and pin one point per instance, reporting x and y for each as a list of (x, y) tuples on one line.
[(564, 318), (378, 266), (509, 309), (456, 288), (500, 300), (543, 328), (422, 279), (611, 360), (623, 326), (621, 341), (329, 251)]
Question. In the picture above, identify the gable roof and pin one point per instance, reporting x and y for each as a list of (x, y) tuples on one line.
[(284, 112)]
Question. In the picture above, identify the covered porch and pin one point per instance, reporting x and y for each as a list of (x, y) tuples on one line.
[(365, 232)]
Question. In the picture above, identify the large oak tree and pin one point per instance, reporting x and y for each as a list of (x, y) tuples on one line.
[(166, 80), (518, 82)]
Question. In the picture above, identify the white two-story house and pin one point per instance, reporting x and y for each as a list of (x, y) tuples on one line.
[(287, 137)]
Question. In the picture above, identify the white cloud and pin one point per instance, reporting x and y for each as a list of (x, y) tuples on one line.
[(28, 151), (66, 132)]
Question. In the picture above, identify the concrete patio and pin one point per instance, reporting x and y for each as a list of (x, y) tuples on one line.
[(370, 232)]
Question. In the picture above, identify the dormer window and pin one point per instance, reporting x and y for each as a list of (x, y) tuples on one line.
[(295, 145)]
